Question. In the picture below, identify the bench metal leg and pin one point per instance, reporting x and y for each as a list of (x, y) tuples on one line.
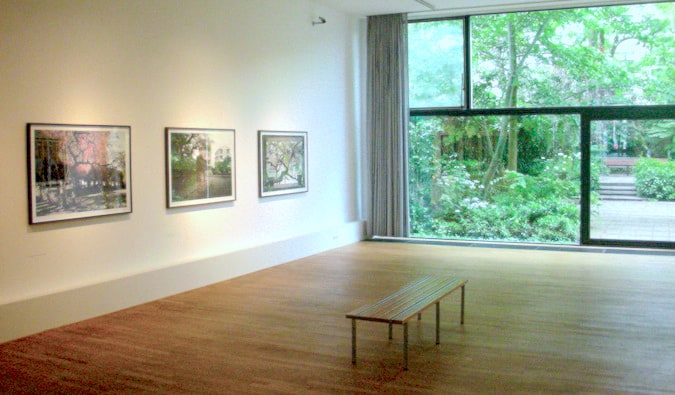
[(353, 341), (390, 331), (438, 322), (419, 316), (405, 346), (461, 319)]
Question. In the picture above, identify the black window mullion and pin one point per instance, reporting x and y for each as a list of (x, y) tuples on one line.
[(597, 113), (585, 209), (467, 63)]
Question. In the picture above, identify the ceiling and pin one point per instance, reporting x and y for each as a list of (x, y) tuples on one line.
[(456, 7)]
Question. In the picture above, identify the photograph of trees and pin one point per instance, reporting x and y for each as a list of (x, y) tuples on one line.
[(78, 171), (200, 166), (283, 162)]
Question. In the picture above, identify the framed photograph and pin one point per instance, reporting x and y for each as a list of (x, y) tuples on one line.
[(282, 157), (78, 171), (199, 166)]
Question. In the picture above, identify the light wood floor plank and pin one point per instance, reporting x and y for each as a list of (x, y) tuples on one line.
[(536, 322)]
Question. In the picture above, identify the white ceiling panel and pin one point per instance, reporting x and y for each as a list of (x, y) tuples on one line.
[(456, 7), (374, 7)]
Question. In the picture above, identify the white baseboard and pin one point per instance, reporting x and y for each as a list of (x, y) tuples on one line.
[(26, 317)]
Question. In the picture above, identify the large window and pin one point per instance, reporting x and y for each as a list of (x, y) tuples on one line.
[(507, 111), (575, 57)]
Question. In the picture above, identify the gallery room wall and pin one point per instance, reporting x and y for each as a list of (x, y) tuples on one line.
[(247, 65)]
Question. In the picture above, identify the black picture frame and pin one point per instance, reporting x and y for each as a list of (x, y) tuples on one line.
[(78, 171)]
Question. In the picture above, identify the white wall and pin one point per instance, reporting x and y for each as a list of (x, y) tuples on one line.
[(242, 64)]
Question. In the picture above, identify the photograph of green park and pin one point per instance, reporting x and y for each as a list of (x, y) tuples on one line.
[(200, 166)]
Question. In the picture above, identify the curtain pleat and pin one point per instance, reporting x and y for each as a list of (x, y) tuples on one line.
[(387, 119)]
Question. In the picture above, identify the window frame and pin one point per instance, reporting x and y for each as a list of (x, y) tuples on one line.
[(587, 114), (463, 88)]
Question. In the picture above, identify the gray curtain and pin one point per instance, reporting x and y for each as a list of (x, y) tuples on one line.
[(388, 124)]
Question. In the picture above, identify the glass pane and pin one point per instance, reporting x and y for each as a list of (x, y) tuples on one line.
[(635, 196), (502, 178), (435, 63), (618, 55)]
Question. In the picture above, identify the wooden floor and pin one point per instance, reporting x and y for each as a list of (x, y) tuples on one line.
[(536, 322)]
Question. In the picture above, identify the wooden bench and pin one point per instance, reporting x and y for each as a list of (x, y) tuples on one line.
[(627, 163), (621, 162), (406, 303)]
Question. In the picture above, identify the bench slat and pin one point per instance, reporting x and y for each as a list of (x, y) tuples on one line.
[(395, 310), (427, 301), (410, 300), (391, 306)]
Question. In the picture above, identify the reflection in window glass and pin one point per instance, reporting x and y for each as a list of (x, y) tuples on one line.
[(436, 65), (465, 184), (618, 55)]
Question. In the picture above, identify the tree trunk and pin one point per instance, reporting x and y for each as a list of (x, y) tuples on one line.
[(488, 149), (504, 124), (496, 158), (512, 162), (509, 100)]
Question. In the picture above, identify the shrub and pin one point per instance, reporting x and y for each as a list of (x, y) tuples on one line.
[(655, 179), (542, 208)]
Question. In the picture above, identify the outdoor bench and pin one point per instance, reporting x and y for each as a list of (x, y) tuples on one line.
[(625, 163), (406, 303)]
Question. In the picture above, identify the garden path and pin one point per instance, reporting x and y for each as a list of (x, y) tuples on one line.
[(634, 220)]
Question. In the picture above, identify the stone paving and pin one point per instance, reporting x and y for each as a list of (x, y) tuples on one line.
[(634, 220)]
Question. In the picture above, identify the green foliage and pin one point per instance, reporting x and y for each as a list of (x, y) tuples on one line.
[(422, 166), (533, 146), (223, 167), (435, 63), (588, 56), (541, 208), (659, 136), (656, 67), (574, 57), (655, 179), (447, 199), (185, 165)]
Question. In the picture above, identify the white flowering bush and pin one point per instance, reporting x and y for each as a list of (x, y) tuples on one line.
[(542, 208), (655, 179)]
